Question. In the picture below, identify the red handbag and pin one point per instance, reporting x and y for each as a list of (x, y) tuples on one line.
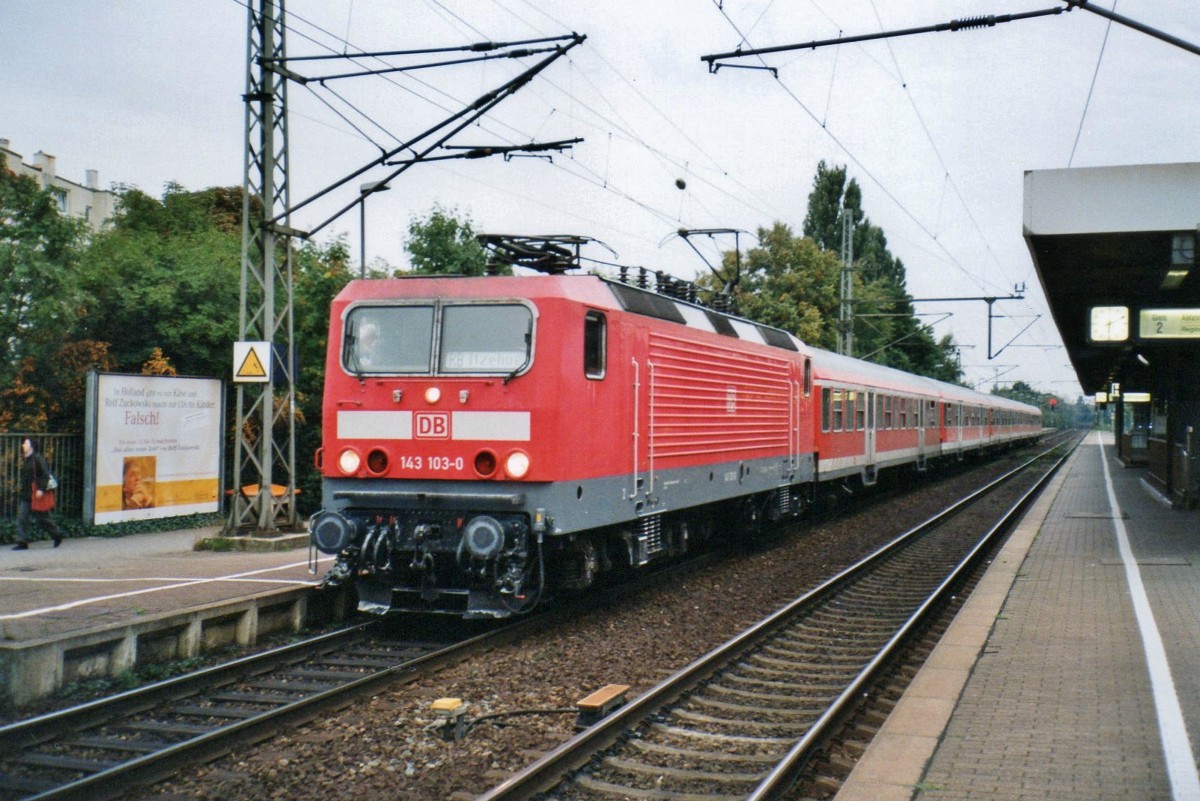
[(44, 503)]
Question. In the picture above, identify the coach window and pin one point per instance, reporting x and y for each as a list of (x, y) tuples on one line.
[(931, 417), (860, 411), (595, 345), (826, 409), (837, 409)]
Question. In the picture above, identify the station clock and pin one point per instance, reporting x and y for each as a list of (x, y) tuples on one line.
[(1108, 323)]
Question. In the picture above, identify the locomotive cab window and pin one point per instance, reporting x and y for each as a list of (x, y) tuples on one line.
[(485, 338), (495, 338), (388, 339), (595, 345)]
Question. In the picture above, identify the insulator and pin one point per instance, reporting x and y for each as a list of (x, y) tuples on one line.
[(973, 22)]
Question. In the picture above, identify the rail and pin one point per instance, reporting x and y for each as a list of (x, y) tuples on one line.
[(297, 683), (547, 772)]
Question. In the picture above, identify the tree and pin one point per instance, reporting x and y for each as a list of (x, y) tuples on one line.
[(443, 244), (886, 329), (321, 271), (39, 296), (1054, 412), (788, 282), (166, 275)]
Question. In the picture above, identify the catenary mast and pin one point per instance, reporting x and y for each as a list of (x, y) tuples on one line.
[(264, 440)]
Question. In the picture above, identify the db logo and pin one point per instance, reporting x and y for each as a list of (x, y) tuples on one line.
[(432, 425)]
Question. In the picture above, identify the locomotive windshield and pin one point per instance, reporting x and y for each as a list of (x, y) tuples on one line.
[(474, 338), (389, 339), (484, 339)]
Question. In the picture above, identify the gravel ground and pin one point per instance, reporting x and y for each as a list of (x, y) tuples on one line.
[(389, 747)]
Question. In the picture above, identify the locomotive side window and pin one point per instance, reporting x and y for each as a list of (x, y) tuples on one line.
[(388, 339), (595, 345), (807, 377), (491, 338)]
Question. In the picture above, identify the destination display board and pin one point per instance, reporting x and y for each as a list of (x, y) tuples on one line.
[(1169, 324)]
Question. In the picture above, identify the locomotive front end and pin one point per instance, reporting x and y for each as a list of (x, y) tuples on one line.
[(427, 459)]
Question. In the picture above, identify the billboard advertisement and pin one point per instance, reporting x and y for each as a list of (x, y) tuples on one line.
[(156, 446)]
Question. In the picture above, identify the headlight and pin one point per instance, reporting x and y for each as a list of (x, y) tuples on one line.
[(349, 461), (516, 465), (433, 395), (485, 464), (377, 462)]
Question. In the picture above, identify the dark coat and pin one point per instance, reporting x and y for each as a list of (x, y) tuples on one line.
[(33, 468)]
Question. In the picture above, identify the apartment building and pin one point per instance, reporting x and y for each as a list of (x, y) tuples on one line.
[(86, 200)]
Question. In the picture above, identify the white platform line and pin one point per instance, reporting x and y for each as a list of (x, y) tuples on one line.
[(134, 579), (174, 586), (1177, 748)]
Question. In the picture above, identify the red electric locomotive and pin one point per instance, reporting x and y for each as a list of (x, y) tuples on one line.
[(491, 440)]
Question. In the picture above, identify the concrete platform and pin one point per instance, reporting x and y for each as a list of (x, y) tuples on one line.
[(1074, 671), (101, 606)]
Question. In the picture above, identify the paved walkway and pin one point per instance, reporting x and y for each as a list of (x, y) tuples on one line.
[(1074, 672), (98, 582)]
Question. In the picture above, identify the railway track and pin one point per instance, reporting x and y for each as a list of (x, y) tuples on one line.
[(743, 721), (99, 750)]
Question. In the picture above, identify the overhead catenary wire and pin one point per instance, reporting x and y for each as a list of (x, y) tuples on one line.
[(1091, 88), (868, 173), (949, 179), (746, 198)]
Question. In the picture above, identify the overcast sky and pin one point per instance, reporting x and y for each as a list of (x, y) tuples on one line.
[(938, 129)]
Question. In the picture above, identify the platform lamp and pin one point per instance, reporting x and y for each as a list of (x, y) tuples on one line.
[(369, 188)]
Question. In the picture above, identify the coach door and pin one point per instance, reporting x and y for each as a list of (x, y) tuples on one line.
[(921, 411), (958, 428), (869, 471)]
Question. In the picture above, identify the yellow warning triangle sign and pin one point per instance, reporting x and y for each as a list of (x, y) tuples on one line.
[(252, 366)]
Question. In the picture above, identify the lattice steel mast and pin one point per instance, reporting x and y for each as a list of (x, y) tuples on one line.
[(265, 439)]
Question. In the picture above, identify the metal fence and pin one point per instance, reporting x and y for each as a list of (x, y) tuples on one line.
[(64, 452)]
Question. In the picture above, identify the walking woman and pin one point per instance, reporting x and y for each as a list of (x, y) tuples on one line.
[(33, 470)]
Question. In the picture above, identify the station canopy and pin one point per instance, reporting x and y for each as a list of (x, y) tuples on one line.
[(1115, 250)]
